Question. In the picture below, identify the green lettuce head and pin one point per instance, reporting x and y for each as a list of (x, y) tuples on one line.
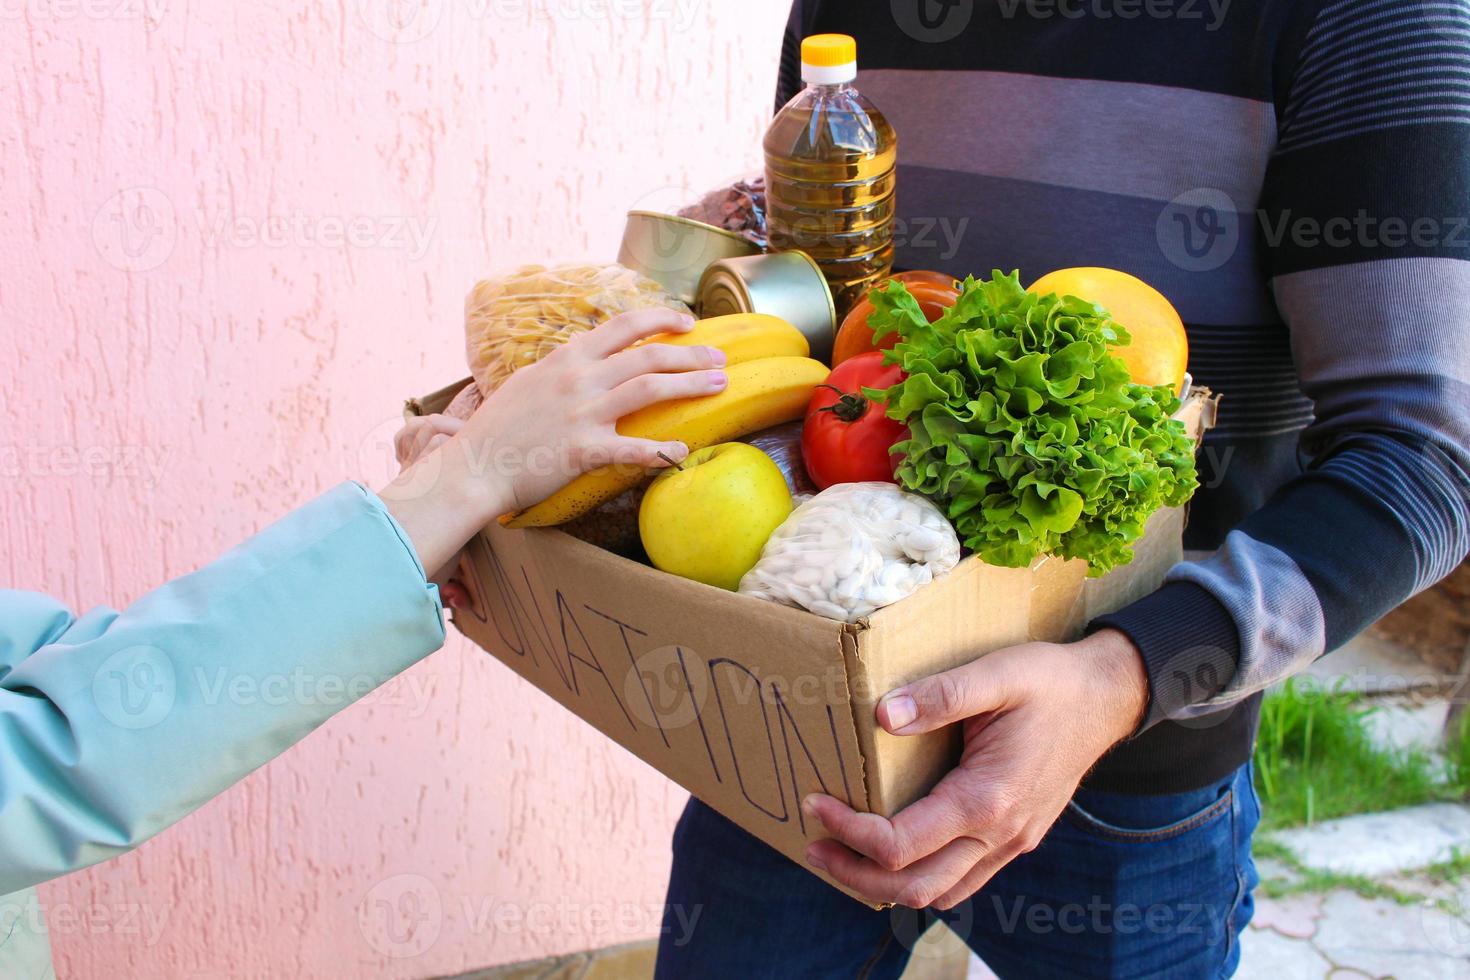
[(1023, 427)]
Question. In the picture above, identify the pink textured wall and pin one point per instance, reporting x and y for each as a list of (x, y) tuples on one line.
[(232, 237)]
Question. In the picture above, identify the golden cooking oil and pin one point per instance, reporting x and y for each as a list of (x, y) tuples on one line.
[(830, 158)]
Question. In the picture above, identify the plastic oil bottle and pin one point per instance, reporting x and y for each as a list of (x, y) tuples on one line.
[(830, 159)]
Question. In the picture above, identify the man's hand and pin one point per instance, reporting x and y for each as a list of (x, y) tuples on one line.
[(1036, 717)]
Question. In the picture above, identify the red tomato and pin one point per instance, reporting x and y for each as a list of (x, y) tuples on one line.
[(856, 337), (846, 438)]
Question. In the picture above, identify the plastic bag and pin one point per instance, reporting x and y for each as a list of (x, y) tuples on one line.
[(613, 524), (853, 549), (740, 208), (783, 444), (516, 320), (466, 403)]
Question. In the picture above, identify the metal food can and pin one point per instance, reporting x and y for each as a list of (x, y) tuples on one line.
[(675, 251), (785, 284)]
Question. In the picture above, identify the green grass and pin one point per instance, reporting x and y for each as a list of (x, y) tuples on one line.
[(1310, 880), (1457, 752), (1456, 868), (1315, 761)]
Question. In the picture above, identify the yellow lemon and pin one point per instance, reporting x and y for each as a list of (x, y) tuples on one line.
[(1159, 352)]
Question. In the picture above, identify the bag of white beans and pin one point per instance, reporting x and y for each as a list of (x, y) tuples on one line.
[(853, 549)]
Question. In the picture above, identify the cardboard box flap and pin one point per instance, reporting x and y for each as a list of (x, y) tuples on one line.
[(436, 402)]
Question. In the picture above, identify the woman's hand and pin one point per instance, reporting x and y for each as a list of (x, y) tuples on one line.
[(418, 437), (422, 435), (557, 419), (547, 424)]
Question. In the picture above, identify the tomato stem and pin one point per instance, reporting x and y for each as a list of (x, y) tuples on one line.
[(849, 406)]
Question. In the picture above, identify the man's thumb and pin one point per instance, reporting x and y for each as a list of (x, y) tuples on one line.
[(941, 699)]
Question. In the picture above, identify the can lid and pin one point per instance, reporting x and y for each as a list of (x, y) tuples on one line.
[(828, 59), (786, 284), (723, 291)]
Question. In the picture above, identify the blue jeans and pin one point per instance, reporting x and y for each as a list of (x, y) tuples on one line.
[(1122, 886)]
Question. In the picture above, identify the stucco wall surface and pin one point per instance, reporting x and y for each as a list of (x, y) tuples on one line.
[(233, 236)]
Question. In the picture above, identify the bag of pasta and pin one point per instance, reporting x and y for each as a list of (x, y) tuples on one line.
[(516, 320)]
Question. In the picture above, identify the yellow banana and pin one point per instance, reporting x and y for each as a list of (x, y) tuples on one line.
[(742, 336), (760, 394)]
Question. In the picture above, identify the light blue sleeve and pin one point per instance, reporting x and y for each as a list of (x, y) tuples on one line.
[(115, 725)]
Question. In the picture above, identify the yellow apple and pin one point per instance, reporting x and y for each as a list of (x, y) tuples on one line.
[(709, 517)]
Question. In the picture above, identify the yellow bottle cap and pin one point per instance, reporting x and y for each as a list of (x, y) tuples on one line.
[(828, 50)]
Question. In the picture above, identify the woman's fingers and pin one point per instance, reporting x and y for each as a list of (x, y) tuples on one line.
[(625, 329), (646, 389), (647, 453), (454, 594), (431, 437), (413, 440), (657, 359), (434, 441), (403, 439)]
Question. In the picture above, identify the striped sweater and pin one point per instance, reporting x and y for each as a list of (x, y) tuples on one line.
[(1295, 176)]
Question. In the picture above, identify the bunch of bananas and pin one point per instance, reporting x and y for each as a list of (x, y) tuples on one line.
[(770, 381)]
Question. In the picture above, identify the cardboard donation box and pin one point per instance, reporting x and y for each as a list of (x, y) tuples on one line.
[(751, 705)]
